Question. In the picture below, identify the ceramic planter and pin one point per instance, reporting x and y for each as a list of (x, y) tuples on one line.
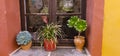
[(49, 44), (79, 42), (26, 47)]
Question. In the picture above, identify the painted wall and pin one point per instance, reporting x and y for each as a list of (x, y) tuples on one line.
[(111, 31), (9, 25), (95, 11)]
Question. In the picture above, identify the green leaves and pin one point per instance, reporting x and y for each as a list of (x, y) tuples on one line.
[(23, 38), (79, 24), (72, 21), (50, 31)]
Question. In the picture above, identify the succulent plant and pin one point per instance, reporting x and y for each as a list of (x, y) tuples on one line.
[(79, 24), (23, 38)]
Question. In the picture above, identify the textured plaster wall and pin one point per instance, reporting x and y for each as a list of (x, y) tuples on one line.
[(9, 25), (3, 29), (111, 31), (95, 11)]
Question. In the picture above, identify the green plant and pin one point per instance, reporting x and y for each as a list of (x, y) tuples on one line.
[(23, 38), (44, 10), (50, 31), (79, 24)]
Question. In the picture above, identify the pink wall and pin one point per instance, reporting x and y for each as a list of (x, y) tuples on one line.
[(9, 25), (95, 11)]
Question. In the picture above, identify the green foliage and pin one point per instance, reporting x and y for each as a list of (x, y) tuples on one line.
[(50, 31), (44, 10), (79, 24), (72, 21), (23, 38)]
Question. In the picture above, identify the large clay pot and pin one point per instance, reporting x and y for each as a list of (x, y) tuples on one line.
[(49, 44), (79, 42), (26, 47)]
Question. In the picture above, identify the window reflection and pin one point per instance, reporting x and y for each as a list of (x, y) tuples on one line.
[(37, 6), (64, 6)]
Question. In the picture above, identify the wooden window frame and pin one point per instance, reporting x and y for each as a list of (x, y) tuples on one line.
[(52, 15)]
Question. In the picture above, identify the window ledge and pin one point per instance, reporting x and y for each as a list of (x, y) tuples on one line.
[(60, 51)]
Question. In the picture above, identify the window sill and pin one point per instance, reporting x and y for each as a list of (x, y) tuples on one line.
[(60, 51)]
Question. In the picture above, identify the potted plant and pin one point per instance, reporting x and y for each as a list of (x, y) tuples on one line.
[(24, 39), (80, 25), (49, 34)]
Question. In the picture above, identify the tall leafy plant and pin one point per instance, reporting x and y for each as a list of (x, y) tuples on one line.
[(79, 24), (50, 31)]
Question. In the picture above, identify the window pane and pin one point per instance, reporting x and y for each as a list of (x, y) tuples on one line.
[(69, 32), (72, 6), (37, 6), (36, 21)]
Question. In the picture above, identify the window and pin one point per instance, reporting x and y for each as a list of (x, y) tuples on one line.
[(35, 13)]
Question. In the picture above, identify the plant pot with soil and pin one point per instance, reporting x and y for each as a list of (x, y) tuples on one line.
[(80, 25), (49, 34), (24, 39)]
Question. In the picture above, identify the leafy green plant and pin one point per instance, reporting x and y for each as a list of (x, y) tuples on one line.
[(79, 24), (23, 38), (50, 31), (44, 10)]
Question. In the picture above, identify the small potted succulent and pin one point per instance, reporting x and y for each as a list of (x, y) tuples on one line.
[(24, 39), (80, 25), (49, 34)]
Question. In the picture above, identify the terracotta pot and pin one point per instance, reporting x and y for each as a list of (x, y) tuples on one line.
[(49, 45), (79, 42), (26, 47)]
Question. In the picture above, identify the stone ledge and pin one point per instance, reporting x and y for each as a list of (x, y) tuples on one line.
[(60, 51)]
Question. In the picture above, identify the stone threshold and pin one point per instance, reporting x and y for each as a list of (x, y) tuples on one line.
[(60, 51)]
